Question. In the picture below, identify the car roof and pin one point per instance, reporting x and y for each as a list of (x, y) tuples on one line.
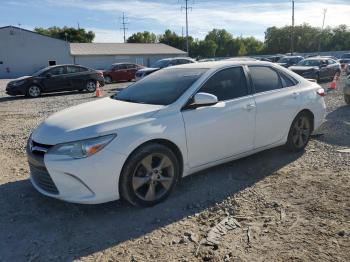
[(219, 64)]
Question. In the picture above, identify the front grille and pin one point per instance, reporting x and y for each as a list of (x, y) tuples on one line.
[(43, 179)]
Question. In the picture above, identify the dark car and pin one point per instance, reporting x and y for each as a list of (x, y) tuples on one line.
[(121, 72), (162, 64), (288, 61), (317, 68), (55, 79), (346, 90), (344, 56)]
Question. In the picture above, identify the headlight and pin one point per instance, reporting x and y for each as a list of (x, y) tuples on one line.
[(83, 148), (18, 83)]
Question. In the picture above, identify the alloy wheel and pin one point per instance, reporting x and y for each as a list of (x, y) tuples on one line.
[(91, 86), (153, 177), (301, 132), (34, 91)]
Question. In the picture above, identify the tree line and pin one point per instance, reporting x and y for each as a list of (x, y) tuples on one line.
[(221, 43)]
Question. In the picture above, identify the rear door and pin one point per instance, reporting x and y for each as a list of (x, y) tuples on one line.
[(77, 77), (131, 71), (56, 79), (226, 128), (276, 104)]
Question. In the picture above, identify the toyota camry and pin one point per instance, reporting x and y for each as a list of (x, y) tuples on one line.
[(138, 143)]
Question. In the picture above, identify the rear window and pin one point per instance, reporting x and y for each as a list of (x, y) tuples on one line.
[(264, 78), (162, 87)]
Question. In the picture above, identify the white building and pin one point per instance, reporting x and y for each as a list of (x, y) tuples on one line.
[(22, 52)]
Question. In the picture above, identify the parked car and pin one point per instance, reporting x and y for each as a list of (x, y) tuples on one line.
[(121, 72), (275, 58), (317, 68), (344, 56), (137, 144), (345, 65), (346, 90), (162, 64), (56, 79), (288, 61), (263, 59)]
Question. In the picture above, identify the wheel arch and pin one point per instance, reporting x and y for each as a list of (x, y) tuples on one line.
[(165, 142), (310, 114)]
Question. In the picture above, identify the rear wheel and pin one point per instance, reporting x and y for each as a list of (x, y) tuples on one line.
[(91, 86), (149, 175), (33, 91), (299, 133), (347, 99)]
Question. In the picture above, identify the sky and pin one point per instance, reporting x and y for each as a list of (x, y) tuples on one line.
[(239, 17)]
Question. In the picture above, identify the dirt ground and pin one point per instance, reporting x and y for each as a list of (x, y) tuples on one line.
[(272, 206)]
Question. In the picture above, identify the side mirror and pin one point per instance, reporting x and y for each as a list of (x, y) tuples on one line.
[(204, 99), (48, 75)]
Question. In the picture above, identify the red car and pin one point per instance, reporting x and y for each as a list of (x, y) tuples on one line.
[(121, 72)]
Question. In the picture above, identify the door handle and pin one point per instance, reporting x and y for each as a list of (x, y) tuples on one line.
[(249, 107), (295, 94)]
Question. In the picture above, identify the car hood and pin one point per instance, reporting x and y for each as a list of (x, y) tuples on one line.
[(302, 68), (91, 119), (148, 69), (22, 78)]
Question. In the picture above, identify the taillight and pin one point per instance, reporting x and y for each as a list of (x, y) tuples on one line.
[(320, 92)]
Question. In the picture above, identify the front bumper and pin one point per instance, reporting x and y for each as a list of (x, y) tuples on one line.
[(91, 180), (14, 90)]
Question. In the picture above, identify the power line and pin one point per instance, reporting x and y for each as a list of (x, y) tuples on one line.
[(186, 7), (124, 23)]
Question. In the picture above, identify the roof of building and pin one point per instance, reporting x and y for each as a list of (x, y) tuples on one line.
[(123, 49)]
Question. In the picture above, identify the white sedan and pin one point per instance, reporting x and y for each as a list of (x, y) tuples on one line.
[(136, 144)]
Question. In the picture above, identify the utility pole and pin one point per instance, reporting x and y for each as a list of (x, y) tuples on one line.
[(292, 33), (324, 18), (186, 7), (124, 23)]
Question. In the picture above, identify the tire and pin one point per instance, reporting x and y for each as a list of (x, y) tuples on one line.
[(90, 86), (318, 78), (143, 182), (299, 132), (347, 99), (108, 80), (33, 91)]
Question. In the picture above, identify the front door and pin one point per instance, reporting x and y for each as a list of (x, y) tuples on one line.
[(226, 128), (55, 79)]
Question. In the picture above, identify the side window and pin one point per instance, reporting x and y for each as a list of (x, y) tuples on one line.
[(330, 61), (264, 79), (82, 69), (130, 66), (122, 67), (72, 69), (227, 84), (287, 81), (57, 71), (183, 61)]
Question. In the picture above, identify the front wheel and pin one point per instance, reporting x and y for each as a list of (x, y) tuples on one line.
[(299, 133), (347, 99), (33, 91), (91, 86), (149, 175)]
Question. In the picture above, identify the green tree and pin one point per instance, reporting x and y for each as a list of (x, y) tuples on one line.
[(70, 34), (142, 37)]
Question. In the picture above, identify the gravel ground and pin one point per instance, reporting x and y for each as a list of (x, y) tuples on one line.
[(270, 206)]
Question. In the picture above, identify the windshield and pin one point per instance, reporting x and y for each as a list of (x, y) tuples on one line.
[(161, 64), (162, 87), (38, 73), (309, 63)]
